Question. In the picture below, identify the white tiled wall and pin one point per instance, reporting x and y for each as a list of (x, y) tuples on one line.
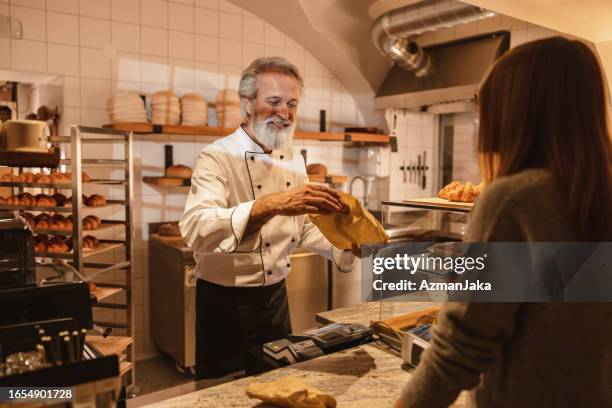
[(100, 47)]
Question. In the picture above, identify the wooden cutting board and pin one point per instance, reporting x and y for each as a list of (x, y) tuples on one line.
[(436, 202)]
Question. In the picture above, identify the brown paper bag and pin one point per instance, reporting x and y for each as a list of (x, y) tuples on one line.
[(358, 226)]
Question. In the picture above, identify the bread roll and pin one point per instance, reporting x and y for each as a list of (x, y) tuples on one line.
[(43, 200), (42, 221), (89, 241), (60, 199), (91, 222), (179, 171), (56, 245), (27, 177), (42, 178), (316, 169), (169, 230), (26, 199), (6, 178), (95, 200)]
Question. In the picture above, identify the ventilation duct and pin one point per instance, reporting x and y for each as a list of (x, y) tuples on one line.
[(394, 32)]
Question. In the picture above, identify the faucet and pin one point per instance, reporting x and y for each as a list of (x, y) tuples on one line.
[(365, 189)]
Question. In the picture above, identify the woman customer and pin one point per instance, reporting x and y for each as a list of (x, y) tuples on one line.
[(546, 151)]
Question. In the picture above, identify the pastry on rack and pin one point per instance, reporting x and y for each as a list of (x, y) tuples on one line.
[(40, 243), (91, 222), (26, 199), (59, 223), (42, 178), (6, 178), (44, 200), (42, 221), (89, 241), (57, 245), (26, 177), (95, 200), (60, 199), (68, 223)]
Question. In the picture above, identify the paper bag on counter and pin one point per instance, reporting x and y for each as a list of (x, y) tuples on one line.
[(358, 226), (290, 392)]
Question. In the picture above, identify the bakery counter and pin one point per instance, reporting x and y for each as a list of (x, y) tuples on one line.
[(365, 376), (369, 375)]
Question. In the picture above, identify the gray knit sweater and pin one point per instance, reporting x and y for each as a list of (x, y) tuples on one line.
[(518, 354)]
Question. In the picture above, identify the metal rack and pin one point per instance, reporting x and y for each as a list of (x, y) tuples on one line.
[(78, 258)]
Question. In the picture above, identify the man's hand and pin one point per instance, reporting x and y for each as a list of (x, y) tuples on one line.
[(306, 199)]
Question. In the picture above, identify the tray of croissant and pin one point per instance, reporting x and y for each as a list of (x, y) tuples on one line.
[(57, 224), (455, 195)]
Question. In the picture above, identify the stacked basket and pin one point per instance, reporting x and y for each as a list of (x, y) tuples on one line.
[(227, 106), (166, 109), (126, 108), (194, 110)]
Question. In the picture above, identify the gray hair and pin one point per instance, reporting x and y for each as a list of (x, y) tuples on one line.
[(248, 81)]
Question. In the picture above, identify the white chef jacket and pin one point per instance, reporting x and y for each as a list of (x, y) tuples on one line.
[(229, 176)]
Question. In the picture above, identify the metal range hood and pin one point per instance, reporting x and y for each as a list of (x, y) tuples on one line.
[(452, 78)]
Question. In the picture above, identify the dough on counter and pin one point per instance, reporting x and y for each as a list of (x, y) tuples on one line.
[(290, 392)]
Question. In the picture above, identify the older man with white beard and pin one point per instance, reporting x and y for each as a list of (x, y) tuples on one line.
[(245, 214)]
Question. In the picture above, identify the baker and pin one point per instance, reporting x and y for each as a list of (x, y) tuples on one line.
[(244, 215)]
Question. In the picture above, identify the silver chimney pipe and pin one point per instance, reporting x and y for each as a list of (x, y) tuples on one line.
[(393, 33)]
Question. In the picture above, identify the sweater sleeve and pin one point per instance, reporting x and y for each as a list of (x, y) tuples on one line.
[(469, 336)]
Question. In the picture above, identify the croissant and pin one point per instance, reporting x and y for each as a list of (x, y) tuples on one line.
[(448, 188)]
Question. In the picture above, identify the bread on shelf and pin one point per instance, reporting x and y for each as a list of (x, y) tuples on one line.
[(179, 171), (316, 169), (89, 241), (95, 200), (60, 199), (170, 229), (91, 222), (44, 200)]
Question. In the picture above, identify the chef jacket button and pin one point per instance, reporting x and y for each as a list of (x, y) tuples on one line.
[(282, 157), (288, 183), (259, 186), (267, 244), (292, 239), (288, 265), (252, 158), (269, 272)]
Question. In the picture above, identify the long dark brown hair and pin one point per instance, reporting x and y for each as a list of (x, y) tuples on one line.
[(543, 105)]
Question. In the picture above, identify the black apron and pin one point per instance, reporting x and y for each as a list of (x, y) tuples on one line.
[(232, 323)]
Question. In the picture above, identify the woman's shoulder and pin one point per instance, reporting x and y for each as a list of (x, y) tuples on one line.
[(505, 199), (528, 183)]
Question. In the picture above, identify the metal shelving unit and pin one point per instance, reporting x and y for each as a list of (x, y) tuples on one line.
[(79, 257)]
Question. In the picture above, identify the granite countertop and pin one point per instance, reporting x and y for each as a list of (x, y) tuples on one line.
[(367, 312), (366, 376)]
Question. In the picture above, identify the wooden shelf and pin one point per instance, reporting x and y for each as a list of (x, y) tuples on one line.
[(329, 179), (124, 367), (351, 137), (109, 345), (87, 252), (167, 181), (104, 291), (102, 226)]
